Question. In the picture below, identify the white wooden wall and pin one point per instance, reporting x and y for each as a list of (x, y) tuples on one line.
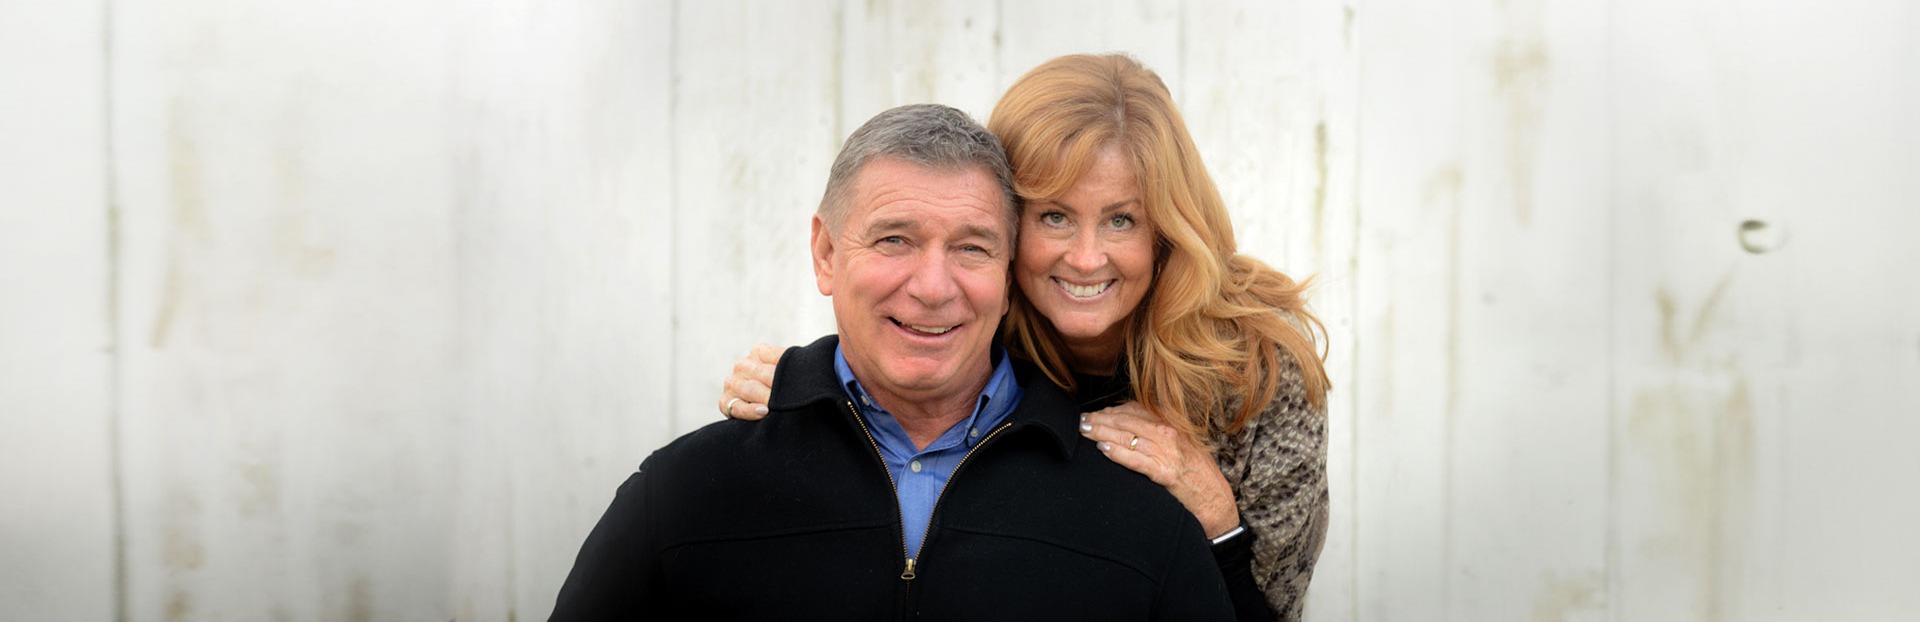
[(360, 310)]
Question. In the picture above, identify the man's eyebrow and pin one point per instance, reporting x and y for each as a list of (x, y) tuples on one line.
[(981, 231), (890, 225), (887, 226)]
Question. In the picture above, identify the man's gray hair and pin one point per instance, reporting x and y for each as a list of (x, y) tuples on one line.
[(930, 135)]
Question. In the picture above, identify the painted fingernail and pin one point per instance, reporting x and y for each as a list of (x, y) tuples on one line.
[(1105, 446), (760, 410), (1086, 427)]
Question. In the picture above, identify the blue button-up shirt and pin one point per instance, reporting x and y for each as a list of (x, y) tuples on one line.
[(919, 474)]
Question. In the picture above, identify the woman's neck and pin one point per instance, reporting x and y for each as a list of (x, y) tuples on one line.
[(1096, 357)]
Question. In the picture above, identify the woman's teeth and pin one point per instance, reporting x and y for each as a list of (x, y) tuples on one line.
[(1084, 291)]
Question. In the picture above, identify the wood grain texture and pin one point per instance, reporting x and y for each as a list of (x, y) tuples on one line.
[(1763, 407), (1483, 416), (289, 310), (755, 128), (1270, 95), (564, 244)]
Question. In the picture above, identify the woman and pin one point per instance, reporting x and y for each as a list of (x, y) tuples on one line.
[(1196, 363)]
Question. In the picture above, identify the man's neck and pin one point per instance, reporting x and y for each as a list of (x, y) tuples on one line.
[(925, 418)]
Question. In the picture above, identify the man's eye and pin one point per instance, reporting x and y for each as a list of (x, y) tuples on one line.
[(893, 239)]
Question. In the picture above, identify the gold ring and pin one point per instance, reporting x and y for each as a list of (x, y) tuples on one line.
[(728, 409), (1133, 443)]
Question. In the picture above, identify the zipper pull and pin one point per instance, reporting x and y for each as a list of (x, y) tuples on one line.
[(908, 575)]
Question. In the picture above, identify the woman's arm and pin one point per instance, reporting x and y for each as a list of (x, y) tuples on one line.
[(1277, 467), (744, 394)]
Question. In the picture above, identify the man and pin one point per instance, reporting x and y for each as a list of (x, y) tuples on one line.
[(906, 470)]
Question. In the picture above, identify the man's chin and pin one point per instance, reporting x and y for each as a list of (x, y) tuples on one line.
[(908, 380)]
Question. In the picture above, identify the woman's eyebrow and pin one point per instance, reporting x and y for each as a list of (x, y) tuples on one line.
[(1109, 208)]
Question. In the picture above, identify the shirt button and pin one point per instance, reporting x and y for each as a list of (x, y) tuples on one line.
[(973, 432), (866, 400), (915, 465)]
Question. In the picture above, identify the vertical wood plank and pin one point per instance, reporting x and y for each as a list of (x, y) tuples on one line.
[(288, 308), (897, 53), (564, 218), (1032, 33), (756, 124), (1483, 401), (56, 481), (1271, 98), (1763, 412)]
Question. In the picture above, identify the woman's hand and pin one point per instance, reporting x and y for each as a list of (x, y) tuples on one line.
[(1133, 437), (744, 394)]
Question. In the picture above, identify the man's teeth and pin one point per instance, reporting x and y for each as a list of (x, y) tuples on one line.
[(1085, 291), (931, 330)]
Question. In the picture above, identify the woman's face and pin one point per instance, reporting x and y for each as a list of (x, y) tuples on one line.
[(1086, 259)]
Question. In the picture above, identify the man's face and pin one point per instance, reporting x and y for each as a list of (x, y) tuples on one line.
[(918, 274)]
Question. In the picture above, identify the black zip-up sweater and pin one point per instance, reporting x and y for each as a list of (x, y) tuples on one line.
[(794, 517)]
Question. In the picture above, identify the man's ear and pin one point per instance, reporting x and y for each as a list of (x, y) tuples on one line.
[(822, 256)]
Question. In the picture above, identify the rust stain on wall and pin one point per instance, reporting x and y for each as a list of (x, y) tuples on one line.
[(1561, 596), (259, 489), (179, 606), (181, 551), (180, 546), (1520, 74), (1384, 394), (1443, 187), (188, 219), (1694, 434), (293, 231), (360, 600), (1320, 187), (1346, 25)]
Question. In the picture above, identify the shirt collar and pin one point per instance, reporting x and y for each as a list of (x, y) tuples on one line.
[(996, 401)]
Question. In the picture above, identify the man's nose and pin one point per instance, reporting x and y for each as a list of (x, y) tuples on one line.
[(932, 281)]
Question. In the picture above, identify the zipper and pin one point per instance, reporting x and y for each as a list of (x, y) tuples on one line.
[(909, 575)]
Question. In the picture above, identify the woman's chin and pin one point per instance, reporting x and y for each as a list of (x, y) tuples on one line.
[(1081, 329)]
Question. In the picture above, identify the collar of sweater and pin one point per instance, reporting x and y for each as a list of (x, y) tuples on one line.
[(805, 378)]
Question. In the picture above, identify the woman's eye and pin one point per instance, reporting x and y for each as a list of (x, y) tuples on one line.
[(1053, 218), (1121, 221)]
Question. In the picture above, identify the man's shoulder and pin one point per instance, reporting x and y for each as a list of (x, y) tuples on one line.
[(733, 441)]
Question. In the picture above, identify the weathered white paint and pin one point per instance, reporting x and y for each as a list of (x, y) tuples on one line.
[(1279, 134), (564, 252), (1764, 403), (404, 289), (56, 383)]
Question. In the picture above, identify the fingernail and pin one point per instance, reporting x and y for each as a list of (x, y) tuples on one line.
[(1086, 427), (1105, 446), (760, 410)]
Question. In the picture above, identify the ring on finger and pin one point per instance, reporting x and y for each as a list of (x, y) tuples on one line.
[(728, 409), (1134, 444)]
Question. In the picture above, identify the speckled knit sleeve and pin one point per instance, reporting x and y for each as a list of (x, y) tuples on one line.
[(1277, 467)]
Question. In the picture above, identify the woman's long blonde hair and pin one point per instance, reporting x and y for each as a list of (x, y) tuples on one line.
[(1208, 328)]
